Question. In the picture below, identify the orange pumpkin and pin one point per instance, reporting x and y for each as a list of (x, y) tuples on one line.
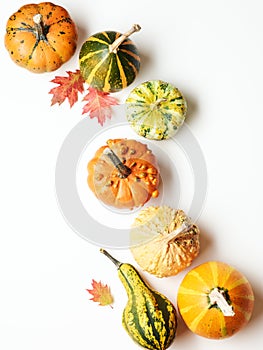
[(215, 300), (41, 37), (124, 173)]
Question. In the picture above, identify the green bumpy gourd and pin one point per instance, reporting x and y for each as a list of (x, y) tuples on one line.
[(149, 317)]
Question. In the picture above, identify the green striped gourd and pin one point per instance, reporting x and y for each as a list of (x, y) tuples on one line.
[(109, 61), (156, 109), (149, 317)]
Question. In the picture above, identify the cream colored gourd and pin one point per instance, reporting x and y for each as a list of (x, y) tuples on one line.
[(164, 241)]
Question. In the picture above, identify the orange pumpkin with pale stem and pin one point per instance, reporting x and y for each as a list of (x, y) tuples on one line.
[(41, 37), (215, 300), (124, 174)]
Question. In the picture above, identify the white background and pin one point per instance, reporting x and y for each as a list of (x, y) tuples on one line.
[(213, 52)]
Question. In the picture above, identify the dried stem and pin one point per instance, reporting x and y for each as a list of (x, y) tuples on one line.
[(185, 227), (39, 27), (114, 46), (157, 104), (218, 297), (124, 171)]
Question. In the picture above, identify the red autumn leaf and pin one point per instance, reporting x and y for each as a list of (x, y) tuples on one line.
[(69, 87), (98, 104), (101, 293)]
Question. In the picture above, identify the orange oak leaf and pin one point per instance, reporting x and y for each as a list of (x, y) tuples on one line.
[(101, 293), (98, 104), (69, 87)]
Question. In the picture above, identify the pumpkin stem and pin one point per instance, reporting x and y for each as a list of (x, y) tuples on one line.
[(114, 46), (124, 171), (157, 104), (39, 30), (218, 297), (115, 261), (178, 231)]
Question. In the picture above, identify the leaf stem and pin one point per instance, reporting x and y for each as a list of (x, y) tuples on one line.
[(114, 46)]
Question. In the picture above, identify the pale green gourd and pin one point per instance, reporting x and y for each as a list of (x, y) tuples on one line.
[(156, 109)]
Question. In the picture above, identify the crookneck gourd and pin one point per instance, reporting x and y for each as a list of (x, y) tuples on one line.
[(215, 300), (41, 37), (164, 241), (124, 174), (109, 61), (149, 317)]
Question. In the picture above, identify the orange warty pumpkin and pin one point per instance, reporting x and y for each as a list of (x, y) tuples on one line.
[(124, 174), (215, 300), (41, 37)]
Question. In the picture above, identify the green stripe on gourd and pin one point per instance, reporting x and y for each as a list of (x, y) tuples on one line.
[(156, 109), (149, 317), (109, 61)]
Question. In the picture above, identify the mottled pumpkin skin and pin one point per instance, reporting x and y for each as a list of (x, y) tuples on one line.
[(132, 191), (47, 52), (156, 109), (193, 300)]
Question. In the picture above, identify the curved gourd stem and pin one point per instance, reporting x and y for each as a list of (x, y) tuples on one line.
[(39, 27), (115, 261), (180, 230), (124, 171), (114, 46)]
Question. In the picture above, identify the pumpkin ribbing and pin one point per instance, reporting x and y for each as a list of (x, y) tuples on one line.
[(132, 182), (41, 37), (156, 109), (206, 316), (106, 67)]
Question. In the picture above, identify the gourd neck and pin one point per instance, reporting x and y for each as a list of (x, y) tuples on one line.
[(219, 298), (115, 261), (39, 29), (123, 170), (113, 48)]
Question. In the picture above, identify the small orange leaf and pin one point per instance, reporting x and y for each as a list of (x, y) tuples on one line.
[(101, 293)]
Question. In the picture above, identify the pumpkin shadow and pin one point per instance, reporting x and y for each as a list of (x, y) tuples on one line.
[(206, 245), (182, 329), (83, 34), (146, 59), (192, 107), (257, 314)]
